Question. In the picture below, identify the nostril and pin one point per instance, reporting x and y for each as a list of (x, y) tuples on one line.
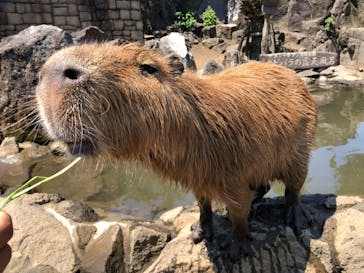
[(72, 73)]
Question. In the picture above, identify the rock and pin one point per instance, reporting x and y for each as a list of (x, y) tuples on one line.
[(212, 67), (170, 215), (8, 147), (76, 211), (91, 34), (275, 248), (346, 76), (83, 234), (232, 57), (175, 43), (212, 42), (225, 31), (21, 57), (353, 53), (31, 150), (233, 11), (39, 241), (209, 32), (145, 245), (105, 253), (45, 241), (309, 73), (300, 12), (41, 198)]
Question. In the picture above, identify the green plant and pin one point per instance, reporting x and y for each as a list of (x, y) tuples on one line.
[(42, 179), (209, 17), (185, 20), (329, 22)]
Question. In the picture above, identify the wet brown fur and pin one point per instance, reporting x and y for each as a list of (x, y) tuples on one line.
[(221, 136)]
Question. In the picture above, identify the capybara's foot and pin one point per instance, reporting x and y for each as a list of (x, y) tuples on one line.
[(199, 233), (298, 218), (236, 249)]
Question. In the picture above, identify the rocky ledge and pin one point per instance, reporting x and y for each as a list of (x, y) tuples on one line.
[(57, 235)]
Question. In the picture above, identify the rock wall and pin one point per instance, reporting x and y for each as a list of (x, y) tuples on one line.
[(120, 19)]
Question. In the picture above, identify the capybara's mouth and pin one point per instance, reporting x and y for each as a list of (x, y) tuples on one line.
[(82, 148)]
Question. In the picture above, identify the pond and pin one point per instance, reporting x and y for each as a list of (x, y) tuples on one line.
[(121, 190)]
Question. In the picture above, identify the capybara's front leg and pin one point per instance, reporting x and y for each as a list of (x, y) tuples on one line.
[(203, 228), (296, 216)]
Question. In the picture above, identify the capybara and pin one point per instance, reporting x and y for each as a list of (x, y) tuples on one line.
[(223, 137)]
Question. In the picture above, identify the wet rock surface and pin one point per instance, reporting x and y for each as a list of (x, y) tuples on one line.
[(47, 241)]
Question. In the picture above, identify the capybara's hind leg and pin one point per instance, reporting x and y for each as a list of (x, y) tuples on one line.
[(296, 216), (239, 208), (203, 228)]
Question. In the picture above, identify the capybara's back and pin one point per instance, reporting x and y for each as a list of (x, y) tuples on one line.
[(225, 136)]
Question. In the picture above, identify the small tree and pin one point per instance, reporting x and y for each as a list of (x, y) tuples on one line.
[(209, 17), (185, 20)]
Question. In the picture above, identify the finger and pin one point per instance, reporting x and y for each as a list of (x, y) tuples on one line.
[(5, 255), (6, 228)]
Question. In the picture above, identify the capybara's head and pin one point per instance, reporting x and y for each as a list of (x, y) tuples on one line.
[(96, 97)]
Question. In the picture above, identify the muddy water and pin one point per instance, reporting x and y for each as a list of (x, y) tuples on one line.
[(128, 191)]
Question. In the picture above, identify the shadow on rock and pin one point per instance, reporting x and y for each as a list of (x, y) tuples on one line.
[(274, 246)]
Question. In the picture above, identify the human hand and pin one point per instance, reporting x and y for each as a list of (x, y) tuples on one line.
[(6, 232)]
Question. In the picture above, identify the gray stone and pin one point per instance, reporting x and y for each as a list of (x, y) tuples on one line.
[(211, 42), (175, 43), (225, 30), (145, 244), (89, 34), (32, 150), (169, 216), (112, 4), (136, 35), (31, 18), (125, 14), (135, 5), (14, 18), (83, 234), (20, 8), (59, 20), (123, 5), (40, 241), (72, 10), (209, 32), (75, 211), (86, 16), (47, 18), (7, 7), (21, 57), (105, 253), (8, 147), (136, 15), (60, 11), (212, 67), (73, 21)]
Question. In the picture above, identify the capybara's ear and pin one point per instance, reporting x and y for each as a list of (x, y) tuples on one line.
[(175, 64), (148, 69)]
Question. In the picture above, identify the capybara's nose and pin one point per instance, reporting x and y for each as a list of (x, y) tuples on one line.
[(72, 74)]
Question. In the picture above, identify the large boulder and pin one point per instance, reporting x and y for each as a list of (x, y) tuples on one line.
[(21, 57), (175, 43)]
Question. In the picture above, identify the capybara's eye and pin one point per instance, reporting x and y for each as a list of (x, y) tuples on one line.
[(150, 69), (71, 73)]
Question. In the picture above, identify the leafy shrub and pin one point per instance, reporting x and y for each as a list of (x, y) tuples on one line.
[(209, 17), (185, 20), (329, 22)]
